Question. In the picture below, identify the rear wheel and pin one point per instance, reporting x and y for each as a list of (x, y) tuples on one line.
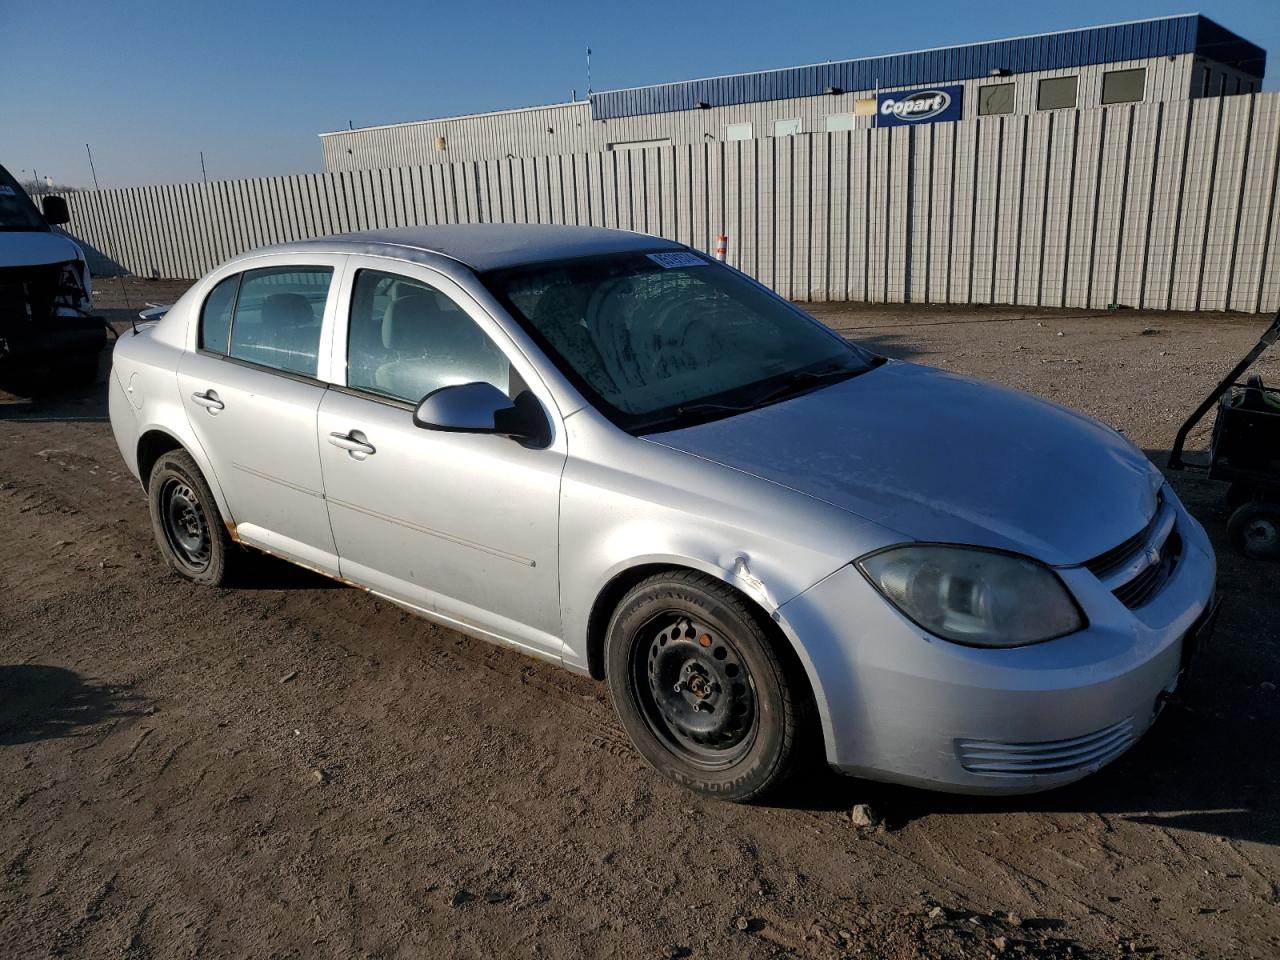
[(186, 521), (1254, 529), (700, 688)]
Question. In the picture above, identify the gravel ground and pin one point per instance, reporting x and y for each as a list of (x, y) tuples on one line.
[(298, 769)]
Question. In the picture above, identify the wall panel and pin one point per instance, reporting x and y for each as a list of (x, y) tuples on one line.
[(1156, 205)]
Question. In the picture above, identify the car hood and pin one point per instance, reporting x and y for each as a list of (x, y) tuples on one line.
[(939, 457), (32, 248)]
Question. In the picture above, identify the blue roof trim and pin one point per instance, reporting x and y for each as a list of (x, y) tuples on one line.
[(1169, 36)]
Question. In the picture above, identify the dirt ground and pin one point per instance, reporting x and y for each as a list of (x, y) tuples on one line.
[(297, 769)]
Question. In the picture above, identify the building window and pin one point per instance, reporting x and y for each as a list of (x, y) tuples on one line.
[(786, 128), (994, 99), (839, 122), (1057, 93), (1205, 75), (1222, 84), (738, 131), (1237, 85), (1124, 86)]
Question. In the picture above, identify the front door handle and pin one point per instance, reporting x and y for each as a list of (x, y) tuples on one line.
[(354, 443), (209, 400)]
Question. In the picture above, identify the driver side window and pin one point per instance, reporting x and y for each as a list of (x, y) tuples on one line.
[(406, 339)]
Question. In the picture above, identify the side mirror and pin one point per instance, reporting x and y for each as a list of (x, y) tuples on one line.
[(55, 211), (483, 408)]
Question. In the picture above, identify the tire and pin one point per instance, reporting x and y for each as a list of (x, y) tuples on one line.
[(682, 639), (1254, 529), (186, 522)]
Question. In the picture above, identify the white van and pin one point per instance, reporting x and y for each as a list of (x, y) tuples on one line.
[(46, 316)]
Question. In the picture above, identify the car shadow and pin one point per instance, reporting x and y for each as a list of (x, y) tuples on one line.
[(1211, 762), (261, 571), (39, 702)]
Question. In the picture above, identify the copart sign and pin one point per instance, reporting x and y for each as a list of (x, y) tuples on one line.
[(931, 105)]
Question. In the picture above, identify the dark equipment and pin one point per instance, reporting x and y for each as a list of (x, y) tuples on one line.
[(1244, 451)]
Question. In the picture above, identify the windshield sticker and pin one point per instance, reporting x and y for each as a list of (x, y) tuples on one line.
[(681, 259), (6, 191)]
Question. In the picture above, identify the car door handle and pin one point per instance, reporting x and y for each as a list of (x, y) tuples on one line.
[(209, 400), (352, 442)]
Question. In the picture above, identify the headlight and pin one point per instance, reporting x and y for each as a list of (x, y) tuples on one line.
[(71, 280), (973, 596)]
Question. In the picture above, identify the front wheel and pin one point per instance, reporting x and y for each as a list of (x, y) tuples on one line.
[(186, 521), (700, 688)]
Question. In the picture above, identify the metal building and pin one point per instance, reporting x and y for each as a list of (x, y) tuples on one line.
[(1170, 58)]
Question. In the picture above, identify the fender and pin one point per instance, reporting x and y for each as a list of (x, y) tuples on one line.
[(739, 576), (185, 438)]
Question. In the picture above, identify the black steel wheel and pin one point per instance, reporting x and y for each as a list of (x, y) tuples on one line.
[(186, 528), (1254, 529), (706, 693), (695, 690), (186, 521)]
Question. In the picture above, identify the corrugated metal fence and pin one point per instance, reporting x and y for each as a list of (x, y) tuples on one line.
[(1164, 206)]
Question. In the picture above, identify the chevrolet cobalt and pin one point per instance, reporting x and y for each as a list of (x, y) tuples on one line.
[(612, 452)]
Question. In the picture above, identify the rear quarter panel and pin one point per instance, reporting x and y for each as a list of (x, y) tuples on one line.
[(144, 374)]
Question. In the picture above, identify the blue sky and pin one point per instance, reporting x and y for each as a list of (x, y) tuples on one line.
[(151, 84)]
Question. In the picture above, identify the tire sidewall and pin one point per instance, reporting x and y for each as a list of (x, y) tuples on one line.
[(179, 465), (759, 767)]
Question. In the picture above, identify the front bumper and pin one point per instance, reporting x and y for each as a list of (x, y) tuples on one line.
[(52, 339), (900, 705)]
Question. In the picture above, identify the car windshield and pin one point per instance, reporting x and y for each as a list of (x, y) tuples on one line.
[(666, 339), (17, 212)]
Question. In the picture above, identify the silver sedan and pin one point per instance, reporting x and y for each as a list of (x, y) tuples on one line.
[(608, 451)]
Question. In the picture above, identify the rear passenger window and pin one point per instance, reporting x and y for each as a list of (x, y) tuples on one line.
[(215, 318), (406, 339), (277, 317)]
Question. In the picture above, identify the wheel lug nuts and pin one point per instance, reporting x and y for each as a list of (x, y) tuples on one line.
[(679, 686)]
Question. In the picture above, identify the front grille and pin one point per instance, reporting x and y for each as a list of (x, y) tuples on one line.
[(1134, 593), (992, 758), (28, 292), (1106, 563), (1135, 570)]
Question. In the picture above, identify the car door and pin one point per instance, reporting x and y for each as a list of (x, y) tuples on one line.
[(463, 526), (252, 391)]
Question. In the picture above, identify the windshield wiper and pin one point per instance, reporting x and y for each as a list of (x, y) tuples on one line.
[(710, 407), (805, 379), (677, 417), (796, 382)]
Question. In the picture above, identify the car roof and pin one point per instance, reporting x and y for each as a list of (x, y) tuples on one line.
[(484, 246)]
